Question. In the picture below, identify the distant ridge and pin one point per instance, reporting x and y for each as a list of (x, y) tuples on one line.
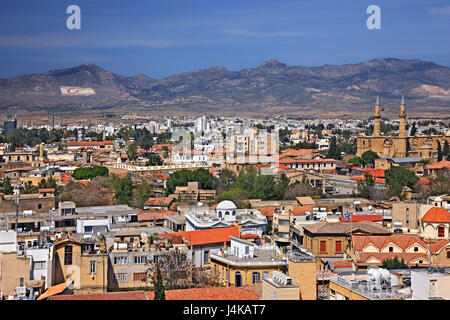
[(272, 88)]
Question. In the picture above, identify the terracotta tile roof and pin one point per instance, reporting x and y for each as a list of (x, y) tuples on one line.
[(301, 210), (268, 211), (160, 202), (376, 173), (410, 258), (200, 237), (210, 293), (403, 241), (250, 236), (342, 264), (307, 161), (51, 190), (439, 165), (158, 215), (439, 245), (86, 143), (425, 180), (122, 295), (363, 217), (54, 290), (437, 214)]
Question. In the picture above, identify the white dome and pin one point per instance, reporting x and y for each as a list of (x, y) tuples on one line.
[(226, 205)]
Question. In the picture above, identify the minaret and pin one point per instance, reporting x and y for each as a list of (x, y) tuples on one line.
[(402, 123), (402, 131), (376, 120)]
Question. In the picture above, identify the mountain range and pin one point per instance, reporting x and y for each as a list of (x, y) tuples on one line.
[(269, 89)]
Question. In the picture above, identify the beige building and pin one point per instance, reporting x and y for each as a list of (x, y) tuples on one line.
[(280, 287), (84, 262), (400, 145)]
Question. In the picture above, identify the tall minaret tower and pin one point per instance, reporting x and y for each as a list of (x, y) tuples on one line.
[(376, 120), (401, 150), (402, 123)]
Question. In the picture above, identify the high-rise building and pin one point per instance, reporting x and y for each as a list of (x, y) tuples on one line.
[(10, 124)]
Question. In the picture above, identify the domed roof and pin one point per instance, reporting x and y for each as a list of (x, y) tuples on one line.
[(226, 205)]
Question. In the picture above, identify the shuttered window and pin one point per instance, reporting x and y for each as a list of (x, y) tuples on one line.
[(338, 246), (323, 246)]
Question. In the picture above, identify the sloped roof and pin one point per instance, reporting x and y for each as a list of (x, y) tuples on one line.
[(403, 241), (437, 214), (409, 258), (199, 237), (342, 228), (163, 201), (54, 290), (363, 217)]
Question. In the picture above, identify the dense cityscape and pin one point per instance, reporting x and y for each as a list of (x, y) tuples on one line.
[(230, 208)]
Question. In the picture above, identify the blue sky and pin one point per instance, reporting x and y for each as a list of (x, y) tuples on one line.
[(161, 38)]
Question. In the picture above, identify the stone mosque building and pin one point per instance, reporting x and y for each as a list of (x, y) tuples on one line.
[(402, 145)]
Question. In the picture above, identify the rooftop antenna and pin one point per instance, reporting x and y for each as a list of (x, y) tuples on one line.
[(378, 101)]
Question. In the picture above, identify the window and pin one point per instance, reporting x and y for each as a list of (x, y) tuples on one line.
[(39, 265), (338, 246), (39, 206), (332, 292), (121, 277), (346, 298), (68, 255), (441, 232), (391, 249), (416, 249), (120, 260), (139, 276), (448, 254), (140, 259), (323, 246), (21, 282), (255, 277), (92, 267), (247, 249), (206, 257), (265, 274), (88, 229)]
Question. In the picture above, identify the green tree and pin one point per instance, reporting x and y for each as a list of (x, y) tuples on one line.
[(123, 190), (333, 151), (394, 263), (369, 157), (182, 177), (6, 187), (439, 151), (365, 187), (399, 177), (30, 189), (356, 161), (132, 152), (159, 286), (141, 193), (413, 129), (90, 172), (154, 160), (446, 150)]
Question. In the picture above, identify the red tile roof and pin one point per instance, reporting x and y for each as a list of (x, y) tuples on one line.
[(51, 190), (158, 215), (250, 236), (211, 293), (410, 258), (301, 210), (403, 241), (160, 202), (267, 211), (439, 165), (200, 237), (123, 295), (436, 214)]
